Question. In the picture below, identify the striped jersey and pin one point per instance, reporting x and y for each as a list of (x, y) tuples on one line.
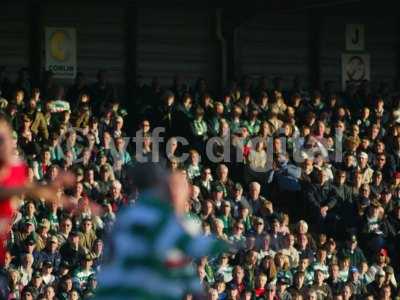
[(151, 254)]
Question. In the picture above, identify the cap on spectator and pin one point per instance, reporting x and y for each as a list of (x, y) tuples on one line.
[(79, 172), (101, 154), (218, 188), (318, 268), (219, 278), (233, 286), (397, 175), (363, 155), (380, 272), (44, 223), (74, 233), (385, 190), (85, 219), (224, 255), (238, 186), (92, 277), (47, 263), (243, 205), (254, 109), (304, 255), (29, 290), (36, 274), (283, 280), (64, 264), (388, 270), (28, 221), (383, 252), (30, 241), (353, 270), (259, 220), (352, 238)]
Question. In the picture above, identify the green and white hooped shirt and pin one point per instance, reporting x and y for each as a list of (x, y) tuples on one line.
[(151, 254)]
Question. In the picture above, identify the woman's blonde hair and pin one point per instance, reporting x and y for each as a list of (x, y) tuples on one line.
[(286, 263), (14, 271)]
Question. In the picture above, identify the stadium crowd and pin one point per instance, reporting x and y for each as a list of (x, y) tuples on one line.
[(304, 186)]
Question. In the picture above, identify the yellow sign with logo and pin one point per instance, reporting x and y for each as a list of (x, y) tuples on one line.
[(61, 51)]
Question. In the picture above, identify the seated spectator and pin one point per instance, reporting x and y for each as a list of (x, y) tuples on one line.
[(257, 158), (82, 273), (72, 251), (255, 199), (224, 268), (51, 253), (47, 270), (194, 167), (260, 286), (352, 251), (87, 235)]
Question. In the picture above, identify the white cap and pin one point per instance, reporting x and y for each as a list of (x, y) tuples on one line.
[(363, 154)]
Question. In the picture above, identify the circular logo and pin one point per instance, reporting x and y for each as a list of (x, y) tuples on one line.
[(60, 45), (355, 68)]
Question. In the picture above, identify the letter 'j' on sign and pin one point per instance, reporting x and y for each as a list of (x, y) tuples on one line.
[(355, 37)]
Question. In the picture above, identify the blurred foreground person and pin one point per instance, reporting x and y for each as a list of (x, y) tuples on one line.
[(152, 245), (14, 184)]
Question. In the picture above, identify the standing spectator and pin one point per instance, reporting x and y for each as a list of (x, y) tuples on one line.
[(102, 91)]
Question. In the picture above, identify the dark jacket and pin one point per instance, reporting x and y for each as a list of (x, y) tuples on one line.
[(318, 196), (70, 255), (356, 257)]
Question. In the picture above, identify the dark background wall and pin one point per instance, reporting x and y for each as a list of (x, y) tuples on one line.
[(274, 45), (176, 41), (14, 37), (130, 38)]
